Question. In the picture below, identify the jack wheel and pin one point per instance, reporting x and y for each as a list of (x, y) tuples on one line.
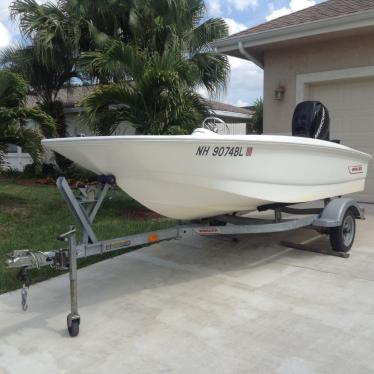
[(342, 237), (73, 325)]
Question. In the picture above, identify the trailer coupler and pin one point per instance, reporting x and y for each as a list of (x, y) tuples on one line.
[(27, 260)]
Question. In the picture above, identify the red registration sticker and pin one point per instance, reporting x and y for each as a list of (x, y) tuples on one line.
[(249, 151)]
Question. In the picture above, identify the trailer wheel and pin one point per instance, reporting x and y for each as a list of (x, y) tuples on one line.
[(342, 237), (73, 326)]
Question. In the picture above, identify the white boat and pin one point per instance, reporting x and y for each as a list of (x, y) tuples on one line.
[(205, 174)]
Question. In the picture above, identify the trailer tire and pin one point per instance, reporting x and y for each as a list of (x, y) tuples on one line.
[(73, 327), (342, 237)]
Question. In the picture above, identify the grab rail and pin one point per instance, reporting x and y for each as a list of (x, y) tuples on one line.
[(210, 123)]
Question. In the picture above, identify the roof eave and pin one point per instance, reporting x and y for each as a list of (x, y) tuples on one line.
[(225, 113), (329, 25)]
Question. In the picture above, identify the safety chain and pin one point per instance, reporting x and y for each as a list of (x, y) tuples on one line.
[(24, 277)]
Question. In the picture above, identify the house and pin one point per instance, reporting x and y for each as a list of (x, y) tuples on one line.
[(325, 53), (236, 118)]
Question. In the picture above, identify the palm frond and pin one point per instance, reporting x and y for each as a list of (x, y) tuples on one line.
[(3, 149), (106, 106), (117, 61), (51, 29), (214, 70), (45, 78), (13, 89), (14, 116), (257, 118), (200, 37), (28, 139), (154, 54), (45, 122)]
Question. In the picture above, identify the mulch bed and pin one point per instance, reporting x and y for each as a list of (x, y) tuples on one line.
[(49, 182), (34, 182)]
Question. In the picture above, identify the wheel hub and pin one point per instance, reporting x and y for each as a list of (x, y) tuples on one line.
[(348, 230)]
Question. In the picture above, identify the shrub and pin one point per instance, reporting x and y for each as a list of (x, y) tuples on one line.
[(77, 173)]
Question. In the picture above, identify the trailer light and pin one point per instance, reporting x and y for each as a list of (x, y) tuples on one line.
[(153, 238)]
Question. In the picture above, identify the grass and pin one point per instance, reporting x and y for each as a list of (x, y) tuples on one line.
[(31, 216)]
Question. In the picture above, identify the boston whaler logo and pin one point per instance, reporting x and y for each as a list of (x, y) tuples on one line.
[(224, 151), (357, 169)]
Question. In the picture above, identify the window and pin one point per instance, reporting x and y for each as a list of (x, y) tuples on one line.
[(12, 148)]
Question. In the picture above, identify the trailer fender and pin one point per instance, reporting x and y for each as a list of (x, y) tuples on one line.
[(334, 212)]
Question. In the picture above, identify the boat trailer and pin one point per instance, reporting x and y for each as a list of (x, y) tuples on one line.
[(336, 219)]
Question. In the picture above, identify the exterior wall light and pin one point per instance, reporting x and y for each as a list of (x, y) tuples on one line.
[(279, 93)]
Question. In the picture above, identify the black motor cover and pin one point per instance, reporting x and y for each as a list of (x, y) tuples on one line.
[(311, 120)]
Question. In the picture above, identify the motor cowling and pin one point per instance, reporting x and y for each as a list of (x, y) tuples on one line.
[(311, 119)]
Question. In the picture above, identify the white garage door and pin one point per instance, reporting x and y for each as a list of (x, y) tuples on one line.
[(351, 107)]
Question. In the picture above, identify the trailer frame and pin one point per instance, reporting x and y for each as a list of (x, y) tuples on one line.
[(86, 202)]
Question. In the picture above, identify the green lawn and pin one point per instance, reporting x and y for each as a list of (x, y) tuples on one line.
[(31, 216)]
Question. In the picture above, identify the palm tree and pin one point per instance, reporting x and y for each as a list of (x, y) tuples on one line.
[(45, 79), (154, 29), (156, 25), (257, 118), (158, 99), (155, 76), (56, 34), (13, 117), (48, 57)]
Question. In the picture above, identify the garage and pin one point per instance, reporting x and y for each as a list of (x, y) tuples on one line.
[(351, 107), (324, 52)]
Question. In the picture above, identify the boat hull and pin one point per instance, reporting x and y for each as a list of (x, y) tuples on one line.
[(189, 177)]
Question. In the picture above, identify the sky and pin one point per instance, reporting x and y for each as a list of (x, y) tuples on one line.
[(246, 79)]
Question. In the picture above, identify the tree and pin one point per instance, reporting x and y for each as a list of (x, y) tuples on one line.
[(155, 74), (257, 118), (48, 58), (159, 99), (45, 79), (13, 117), (59, 34)]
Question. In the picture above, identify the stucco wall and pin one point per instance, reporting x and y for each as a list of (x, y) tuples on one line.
[(17, 161), (282, 65)]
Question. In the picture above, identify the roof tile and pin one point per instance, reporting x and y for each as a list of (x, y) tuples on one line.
[(325, 10), (216, 105)]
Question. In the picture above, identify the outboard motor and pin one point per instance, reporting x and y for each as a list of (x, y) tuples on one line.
[(311, 119)]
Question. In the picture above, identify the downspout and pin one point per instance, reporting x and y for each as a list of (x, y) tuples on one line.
[(248, 57)]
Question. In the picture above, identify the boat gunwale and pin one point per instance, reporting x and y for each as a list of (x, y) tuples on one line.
[(252, 139)]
